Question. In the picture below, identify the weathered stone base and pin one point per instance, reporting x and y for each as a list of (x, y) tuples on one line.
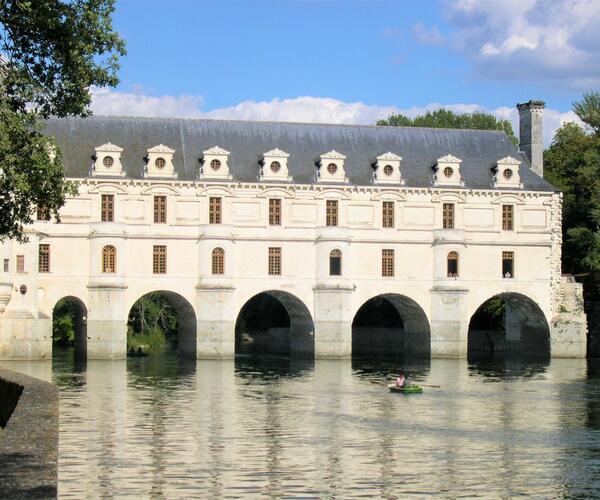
[(24, 337), (568, 335), (107, 339)]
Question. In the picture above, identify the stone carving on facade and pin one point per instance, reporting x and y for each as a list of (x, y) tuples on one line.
[(274, 166), (330, 167), (215, 164), (387, 169), (159, 163), (107, 161)]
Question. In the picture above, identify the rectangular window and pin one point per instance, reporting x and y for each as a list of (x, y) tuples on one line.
[(108, 208), (160, 209), (44, 258), (43, 214), (388, 214), (159, 259), (6, 265), (507, 217), (274, 261), (214, 210), (387, 262), (508, 264), (20, 263), (448, 216), (331, 213), (274, 212)]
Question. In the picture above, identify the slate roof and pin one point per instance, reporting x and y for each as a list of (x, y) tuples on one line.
[(248, 141)]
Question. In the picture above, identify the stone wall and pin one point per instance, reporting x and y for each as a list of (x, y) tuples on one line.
[(29, 439)]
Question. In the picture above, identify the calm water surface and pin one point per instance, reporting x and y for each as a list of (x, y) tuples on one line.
[(162, 427)]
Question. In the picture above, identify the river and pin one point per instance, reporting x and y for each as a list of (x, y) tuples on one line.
[(162, 427)]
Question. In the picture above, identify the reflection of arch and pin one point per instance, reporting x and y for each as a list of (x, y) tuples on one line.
[(186, 320), (391, 324), (218, 261), (509, 324), (109, 259), (74, 308), (275, 322)]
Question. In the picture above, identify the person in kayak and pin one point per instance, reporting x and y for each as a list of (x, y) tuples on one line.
[(401, 381)]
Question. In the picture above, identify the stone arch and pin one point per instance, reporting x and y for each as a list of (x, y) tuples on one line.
[(77, 310), (186, 320), (391, 324), (508, 324), (275, 322)]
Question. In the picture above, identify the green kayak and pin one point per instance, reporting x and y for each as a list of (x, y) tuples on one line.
[(411, 389)]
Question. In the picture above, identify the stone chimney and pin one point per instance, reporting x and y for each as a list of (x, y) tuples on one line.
[(530, 133)]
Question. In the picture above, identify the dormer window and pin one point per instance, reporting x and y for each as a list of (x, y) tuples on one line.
[(107, 161), (331, 168), (274, 166), (215, 164), (447, 171), (506, 173), (387, 169), (159, 162)]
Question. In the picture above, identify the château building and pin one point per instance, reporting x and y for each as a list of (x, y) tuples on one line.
[(316, 240)]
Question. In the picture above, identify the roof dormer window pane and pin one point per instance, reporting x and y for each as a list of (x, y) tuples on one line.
[(160, 163), (108, 161), (448, 172), (215, 164), (388, 170), (332, 168), (507, 173), (275, 166)]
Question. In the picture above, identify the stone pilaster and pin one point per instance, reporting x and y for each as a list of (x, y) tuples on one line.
[(449, 322), (107, 320), (333, 320), (215, 332)]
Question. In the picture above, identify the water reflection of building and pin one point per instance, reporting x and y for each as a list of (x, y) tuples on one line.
[(314, 240)]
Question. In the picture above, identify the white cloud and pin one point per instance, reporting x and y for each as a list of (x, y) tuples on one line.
[(427, 36), (299, 109), (557, 41)]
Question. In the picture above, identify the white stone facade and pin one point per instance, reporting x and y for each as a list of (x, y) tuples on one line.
[(420, 247)]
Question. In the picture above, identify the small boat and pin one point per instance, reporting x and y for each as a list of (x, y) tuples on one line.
[(410, 389)]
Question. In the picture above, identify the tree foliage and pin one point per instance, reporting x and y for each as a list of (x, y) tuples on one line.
[(152, 320), (446, 118), (572, 163), (51, 53), (63, 324)]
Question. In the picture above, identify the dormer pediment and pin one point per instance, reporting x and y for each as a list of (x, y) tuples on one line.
[(107, 161), (274, 166), (506, 173), (331, 167), (447, 171), (215, 164), (159, 162), (387, 169)]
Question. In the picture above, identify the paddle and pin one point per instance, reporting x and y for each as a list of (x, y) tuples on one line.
[(422, 385)]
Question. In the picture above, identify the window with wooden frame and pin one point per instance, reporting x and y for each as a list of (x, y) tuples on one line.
[(218, 261), (508, 264), (214, 210), (159, 259), (331, 213), (274, 261), (274, 212), (335, 263), (160, 209), (448, 216), (387, 262), (6, 265), (452, 264), (507, 217), (20, 263), (387, 214), (44, 258), (109, 259), (43, 214), (108, 208)]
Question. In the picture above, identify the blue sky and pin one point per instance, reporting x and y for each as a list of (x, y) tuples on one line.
[(352, 61)]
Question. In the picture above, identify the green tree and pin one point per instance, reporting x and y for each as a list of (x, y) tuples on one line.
[(63, 321), (152, 322), (446, 118), (572, 163), (51, 53)]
